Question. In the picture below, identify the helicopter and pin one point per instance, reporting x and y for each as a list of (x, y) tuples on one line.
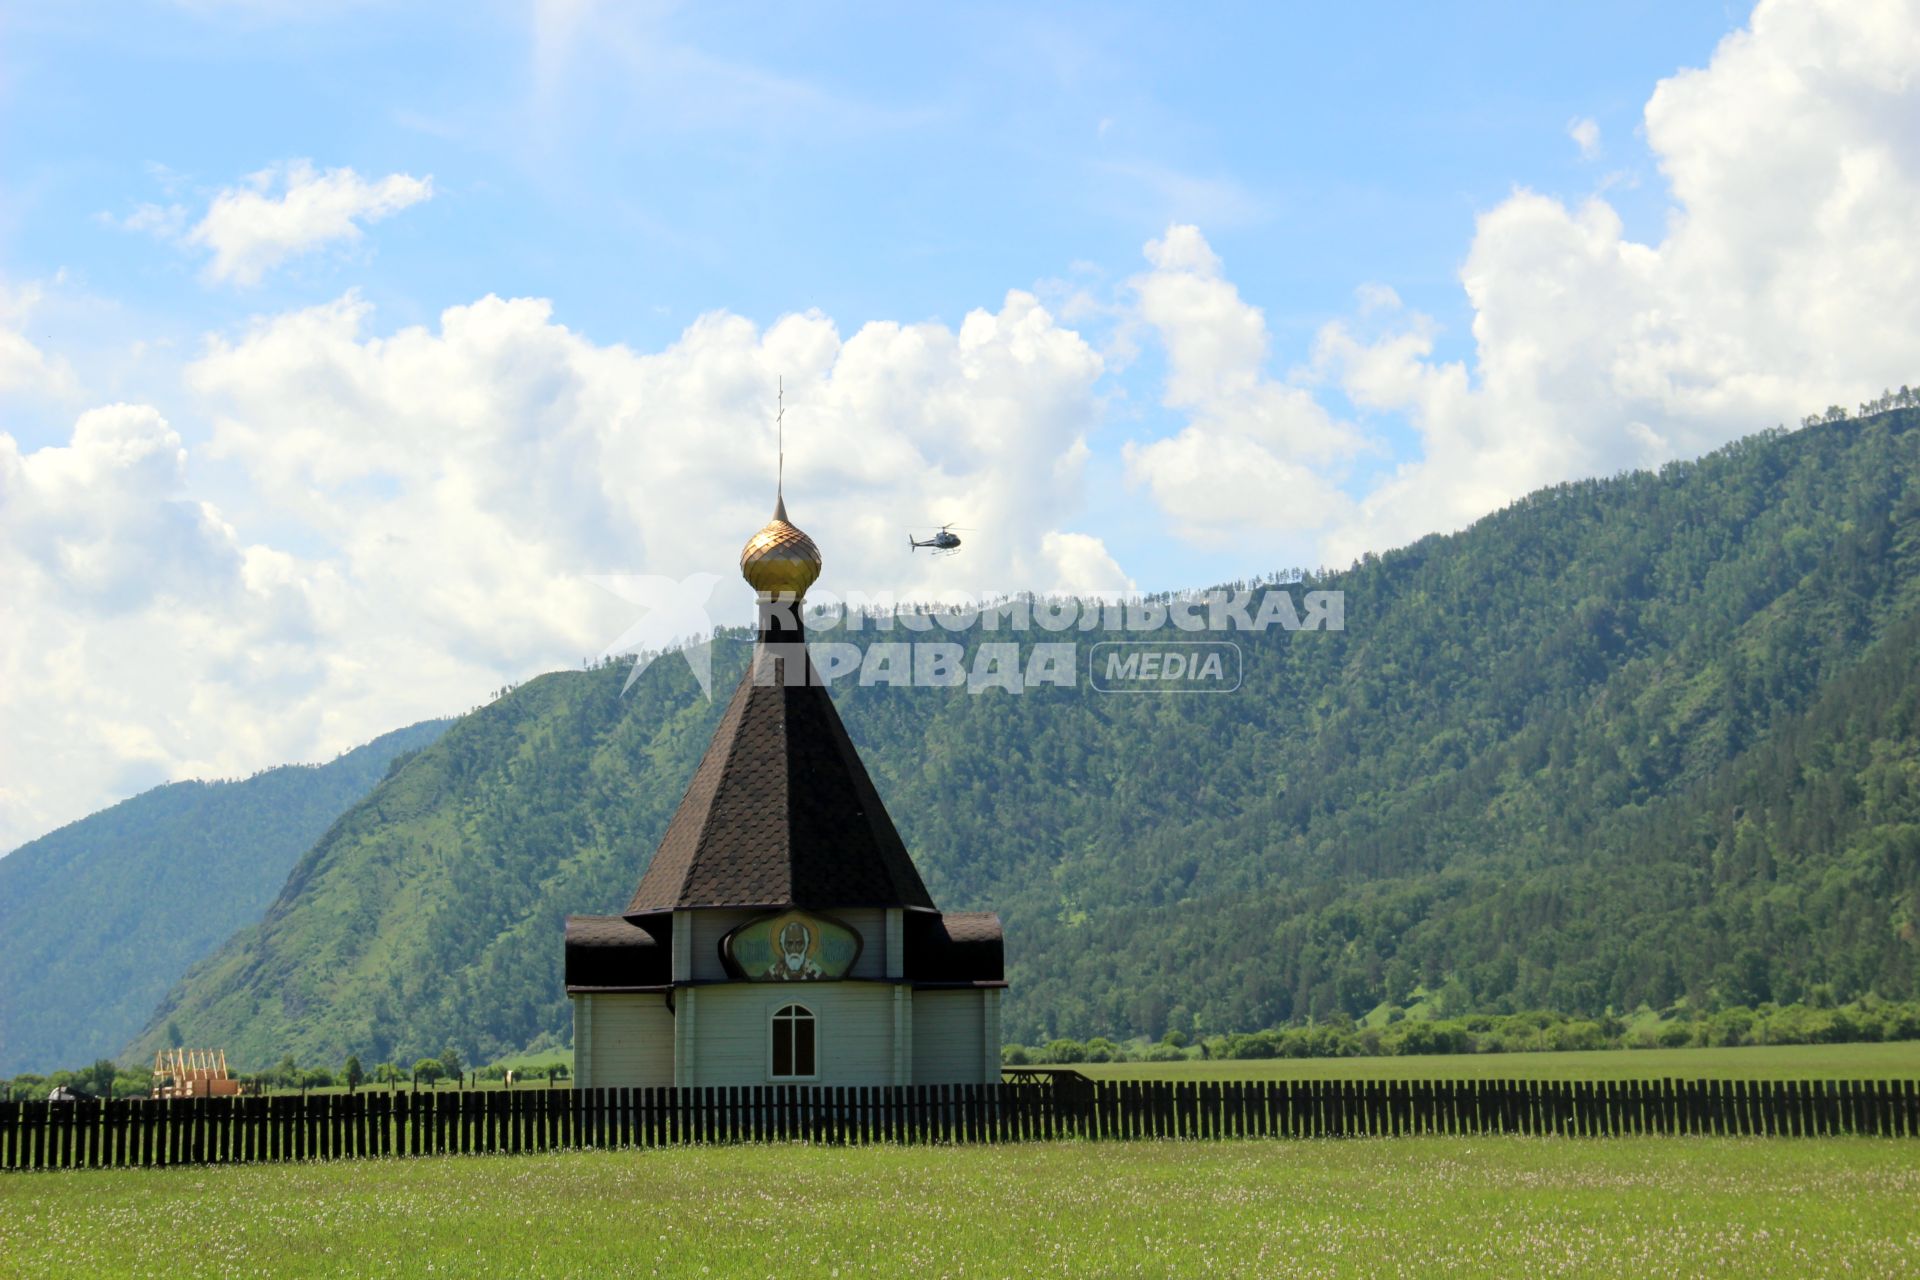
[(945, 542)]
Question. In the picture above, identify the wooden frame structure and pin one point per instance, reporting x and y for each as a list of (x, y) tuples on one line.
[(193, 1073)]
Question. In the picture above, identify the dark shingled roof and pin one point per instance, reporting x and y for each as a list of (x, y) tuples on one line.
[(605, 953), (780, 812), (954, 948)]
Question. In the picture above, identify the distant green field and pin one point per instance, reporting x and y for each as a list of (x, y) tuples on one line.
[(548, 1059), (1783, 1062), (545, 1058), (1760, 1062), (443, 1086), (1414, 1206)]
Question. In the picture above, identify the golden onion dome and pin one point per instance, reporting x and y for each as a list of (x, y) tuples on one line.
[(780, 560)]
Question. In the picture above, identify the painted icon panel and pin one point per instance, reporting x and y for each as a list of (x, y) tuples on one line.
[(791, 946)]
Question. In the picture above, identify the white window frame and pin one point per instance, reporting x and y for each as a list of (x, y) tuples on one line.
[(773, 1017)]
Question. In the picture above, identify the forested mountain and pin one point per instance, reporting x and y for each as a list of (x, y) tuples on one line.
[(100, 918), (1625, 741)]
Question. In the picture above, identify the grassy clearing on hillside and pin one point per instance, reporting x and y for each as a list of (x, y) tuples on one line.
[(1415, 1207), (1758, 1062)]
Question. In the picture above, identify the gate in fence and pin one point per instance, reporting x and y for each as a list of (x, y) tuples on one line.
[(141, 1132)]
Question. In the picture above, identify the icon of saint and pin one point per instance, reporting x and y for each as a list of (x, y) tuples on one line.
[(793, 962)]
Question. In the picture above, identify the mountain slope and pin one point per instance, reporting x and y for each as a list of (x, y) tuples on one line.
[(1582, 754), (100, 918)]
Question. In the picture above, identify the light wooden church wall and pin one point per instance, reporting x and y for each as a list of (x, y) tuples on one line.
[(622, 1040), (729, 1041), (956, 1037)]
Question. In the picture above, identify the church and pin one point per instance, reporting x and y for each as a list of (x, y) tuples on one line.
[(781, 933)]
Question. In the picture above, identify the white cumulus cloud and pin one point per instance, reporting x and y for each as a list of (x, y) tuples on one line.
[(26, 370), (1787, 279), (1256, 453), (285, 211), (144, 641), (1586, 135), (456, 490)]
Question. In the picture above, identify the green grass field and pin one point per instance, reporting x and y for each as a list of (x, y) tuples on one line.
[(1407, 1207), (1782, 1062)]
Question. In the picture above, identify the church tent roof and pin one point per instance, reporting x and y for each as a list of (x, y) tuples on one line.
[(780, 812)]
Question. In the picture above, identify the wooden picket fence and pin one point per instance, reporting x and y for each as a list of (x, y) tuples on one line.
[(144, 1133)]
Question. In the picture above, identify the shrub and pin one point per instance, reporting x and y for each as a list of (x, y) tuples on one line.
[(1416, 1038), (1066, 1051), (1900, 1022), (1730, 1027), (1261, 1044), (1574, 1036)]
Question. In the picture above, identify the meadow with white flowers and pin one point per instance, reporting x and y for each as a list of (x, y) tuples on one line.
[(1649, 1207)]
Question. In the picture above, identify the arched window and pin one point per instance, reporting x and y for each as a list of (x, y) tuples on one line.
[(793, 1043)]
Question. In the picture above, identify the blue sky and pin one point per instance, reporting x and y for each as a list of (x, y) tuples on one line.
[(899, 161), (1149, 297), (875, 162)]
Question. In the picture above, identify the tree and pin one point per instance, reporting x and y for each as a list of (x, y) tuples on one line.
[(428, 1069), (98, 1079), (451, 1064), (353, 1072), (558, 1071)]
